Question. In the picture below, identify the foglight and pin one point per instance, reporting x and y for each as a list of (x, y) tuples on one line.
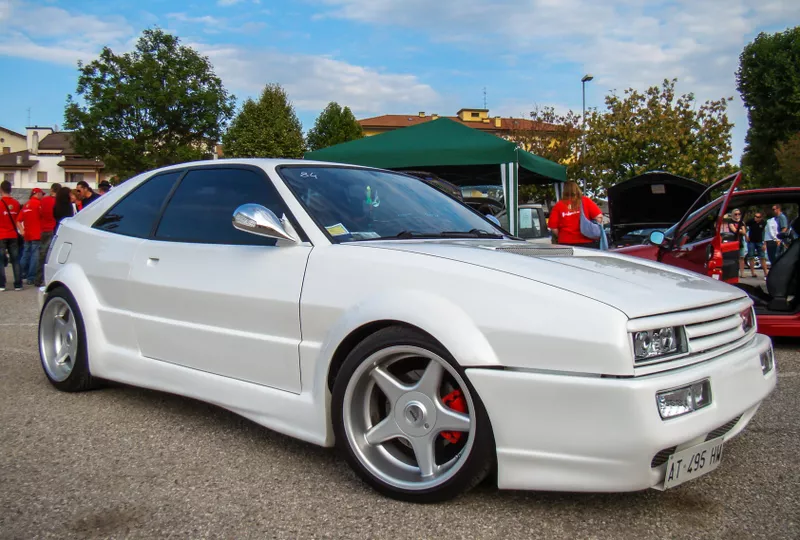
[(767, 361), (679, 401)]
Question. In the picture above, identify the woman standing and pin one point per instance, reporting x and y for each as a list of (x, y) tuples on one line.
[(63, 207), (738, 228), (565, 221)]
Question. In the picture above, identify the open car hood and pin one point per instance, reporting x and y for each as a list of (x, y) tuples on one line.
[(651, 200)]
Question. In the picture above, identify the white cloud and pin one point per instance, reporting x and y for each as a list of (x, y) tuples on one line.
[(60, 36), (313, 81), (624, 43), (207, 20)]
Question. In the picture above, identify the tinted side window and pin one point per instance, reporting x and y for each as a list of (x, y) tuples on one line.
[(202, 207), (136, 213)]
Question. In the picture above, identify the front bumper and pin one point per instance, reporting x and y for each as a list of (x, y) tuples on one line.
[(560, 432)]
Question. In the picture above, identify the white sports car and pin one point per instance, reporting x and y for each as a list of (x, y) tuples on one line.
[(384, 317)]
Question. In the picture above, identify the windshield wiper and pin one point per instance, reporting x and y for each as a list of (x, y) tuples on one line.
[(408, 234), (474, 233)]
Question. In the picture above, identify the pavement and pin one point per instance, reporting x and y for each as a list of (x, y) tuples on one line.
[(123, 462)]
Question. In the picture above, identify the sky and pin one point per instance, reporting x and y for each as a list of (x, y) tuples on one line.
[(399, 56)]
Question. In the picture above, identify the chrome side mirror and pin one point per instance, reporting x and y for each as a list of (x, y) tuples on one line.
[(255, 219), (657, 238)]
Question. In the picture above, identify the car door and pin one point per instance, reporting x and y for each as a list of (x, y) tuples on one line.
[(698, 244), (207, 296)]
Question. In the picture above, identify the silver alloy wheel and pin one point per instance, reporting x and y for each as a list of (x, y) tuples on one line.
[(395, 427), (58, 339)]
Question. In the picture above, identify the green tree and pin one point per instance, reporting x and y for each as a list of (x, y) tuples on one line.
[(656, 130), (769, 83), (157, 105), (265, 128), (788, 156), (334, 125), (555, 137)]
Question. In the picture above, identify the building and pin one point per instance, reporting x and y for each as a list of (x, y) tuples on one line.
[(43, 157), (11, 141), (476, 118)]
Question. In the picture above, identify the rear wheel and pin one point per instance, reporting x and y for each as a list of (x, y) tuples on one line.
[(62, 343), (408, 421)]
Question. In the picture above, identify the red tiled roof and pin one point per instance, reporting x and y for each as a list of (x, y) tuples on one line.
[(392, 121), (9, 161)]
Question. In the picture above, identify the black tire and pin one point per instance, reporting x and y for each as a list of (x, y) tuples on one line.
[(80, 379), (482, 457)]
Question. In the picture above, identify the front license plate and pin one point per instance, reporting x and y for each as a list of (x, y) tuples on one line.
[(693, 462)]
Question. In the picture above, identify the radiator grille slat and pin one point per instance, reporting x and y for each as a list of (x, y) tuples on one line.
[(663, 455)]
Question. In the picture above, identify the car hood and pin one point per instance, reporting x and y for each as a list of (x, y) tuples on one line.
[(634, 286)]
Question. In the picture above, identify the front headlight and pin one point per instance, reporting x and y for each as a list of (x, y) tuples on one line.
[(650, 344)]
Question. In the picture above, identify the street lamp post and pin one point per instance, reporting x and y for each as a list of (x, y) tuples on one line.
[(586, 78)]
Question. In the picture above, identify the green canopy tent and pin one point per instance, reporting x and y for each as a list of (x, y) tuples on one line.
[(445, 143)]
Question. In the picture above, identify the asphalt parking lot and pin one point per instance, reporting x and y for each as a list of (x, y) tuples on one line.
[(126, 462)]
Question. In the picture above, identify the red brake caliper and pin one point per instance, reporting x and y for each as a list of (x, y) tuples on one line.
[(455, 401)]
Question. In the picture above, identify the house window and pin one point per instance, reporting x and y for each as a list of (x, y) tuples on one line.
[(475, 115), (6, 149), (9, 177), (75, 177), (41, 176)]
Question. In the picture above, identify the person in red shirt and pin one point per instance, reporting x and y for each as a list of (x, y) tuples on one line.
[(31, 220), (9, 210), (565, 221), (48, 221)]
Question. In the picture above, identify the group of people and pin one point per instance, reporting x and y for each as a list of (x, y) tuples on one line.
[(759, 238), (27, 230)]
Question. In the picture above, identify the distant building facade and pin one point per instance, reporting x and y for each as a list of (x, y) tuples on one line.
[(475, 118), (44, 156)]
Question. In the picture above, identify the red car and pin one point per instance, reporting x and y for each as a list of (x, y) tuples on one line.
[(700, 242)]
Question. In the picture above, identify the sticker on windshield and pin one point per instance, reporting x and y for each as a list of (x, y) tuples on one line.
[(337, 230)]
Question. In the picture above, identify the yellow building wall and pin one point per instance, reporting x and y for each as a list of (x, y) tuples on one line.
[(466, 115), (16, 144)]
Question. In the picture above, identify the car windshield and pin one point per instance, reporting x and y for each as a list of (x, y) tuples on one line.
[(361, 204)]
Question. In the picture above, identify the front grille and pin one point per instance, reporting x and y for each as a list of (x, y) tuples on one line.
[(723, 429), (538, 251), (707, 335), (663, 456)]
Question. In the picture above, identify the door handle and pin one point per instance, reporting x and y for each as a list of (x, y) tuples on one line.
[(152, 261)]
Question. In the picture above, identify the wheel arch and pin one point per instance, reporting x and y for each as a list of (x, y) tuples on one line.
[(434, 316)]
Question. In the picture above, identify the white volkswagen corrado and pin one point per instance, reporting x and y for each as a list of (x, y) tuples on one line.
[(382, 316)]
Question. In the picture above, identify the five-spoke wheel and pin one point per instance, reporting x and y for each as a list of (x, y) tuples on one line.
[(62, 343), (411, 423)]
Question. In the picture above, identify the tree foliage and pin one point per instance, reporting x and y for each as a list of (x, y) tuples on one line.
[(656, 130), (156, 105), (334, 125), (788, 156), (553, 136), (768, 80), (268, 127)]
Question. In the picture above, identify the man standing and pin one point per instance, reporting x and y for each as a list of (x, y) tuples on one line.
[(9, 210), (756, 247), (103, 187), (48, 222), (31, 220), (737, 227), (771, 240), (87, 195)]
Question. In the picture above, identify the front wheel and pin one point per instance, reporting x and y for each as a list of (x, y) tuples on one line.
[(408, 421), (62, 343)]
